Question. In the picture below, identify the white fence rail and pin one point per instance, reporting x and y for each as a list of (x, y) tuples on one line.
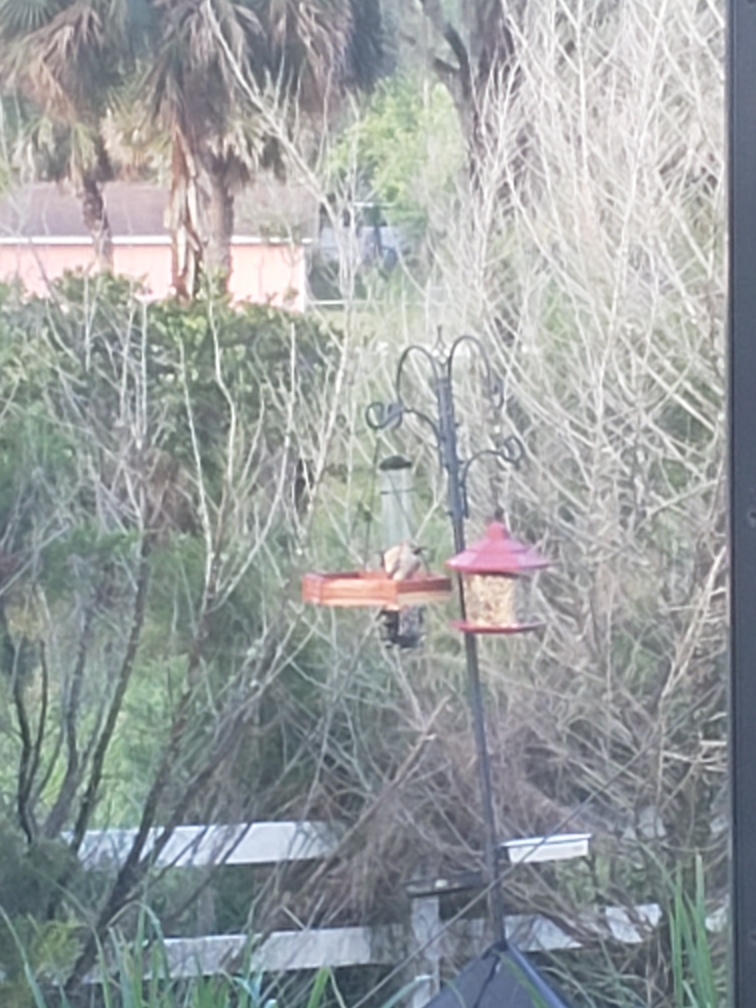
[(200, 846), (386, 945)]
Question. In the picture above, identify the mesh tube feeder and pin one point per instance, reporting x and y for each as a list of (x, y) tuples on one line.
[(494, 578), (395, 590)]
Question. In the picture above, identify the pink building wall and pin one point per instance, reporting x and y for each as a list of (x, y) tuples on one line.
[(261, 272), (34, 265), (150, 264)]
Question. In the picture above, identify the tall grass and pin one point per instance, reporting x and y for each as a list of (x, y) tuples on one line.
[(698, 981), (135, 973)]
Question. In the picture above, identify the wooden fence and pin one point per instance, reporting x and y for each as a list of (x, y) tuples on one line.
[(425, 940)]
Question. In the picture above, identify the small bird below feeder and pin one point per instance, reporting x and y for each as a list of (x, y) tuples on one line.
[(403, 627)]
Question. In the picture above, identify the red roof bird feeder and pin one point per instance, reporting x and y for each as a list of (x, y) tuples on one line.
[(492, 572)]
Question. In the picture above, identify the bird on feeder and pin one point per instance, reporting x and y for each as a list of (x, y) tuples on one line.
[(402, 561)]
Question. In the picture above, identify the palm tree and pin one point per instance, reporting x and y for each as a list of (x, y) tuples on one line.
[(207, 60), (64, 58), (71, 59), (193, 98)]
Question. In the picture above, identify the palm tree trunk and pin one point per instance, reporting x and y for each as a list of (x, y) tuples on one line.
[(219, 223), (184, 223), (96, 221), (484, 62)]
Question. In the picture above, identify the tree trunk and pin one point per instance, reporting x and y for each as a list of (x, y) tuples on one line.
[(484, 60), (183, 223), (219, 223), (201, 212), (96, 221)]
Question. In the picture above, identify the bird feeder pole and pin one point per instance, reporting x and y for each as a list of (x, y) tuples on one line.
[(387, 417), (457, 513)]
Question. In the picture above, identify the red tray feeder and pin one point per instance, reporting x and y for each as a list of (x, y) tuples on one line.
[(493, 571), (374, 589)]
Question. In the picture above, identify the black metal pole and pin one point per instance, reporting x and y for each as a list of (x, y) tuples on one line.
[(447, 426), (516, 982), (742, 459)]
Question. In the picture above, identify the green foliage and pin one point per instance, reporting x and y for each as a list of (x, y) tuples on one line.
[(699, 981), (28, 873), (407, 150), (30, 945), (145, 455), (137, 975)]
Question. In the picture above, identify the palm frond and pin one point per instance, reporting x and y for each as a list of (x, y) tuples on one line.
[(20, 17)]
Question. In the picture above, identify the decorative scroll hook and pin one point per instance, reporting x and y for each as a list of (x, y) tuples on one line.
[(381, 416)]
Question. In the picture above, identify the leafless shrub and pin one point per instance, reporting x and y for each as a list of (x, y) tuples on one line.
[(590, 257)]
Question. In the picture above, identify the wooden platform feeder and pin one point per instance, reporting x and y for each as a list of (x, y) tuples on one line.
[(374, 589)]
